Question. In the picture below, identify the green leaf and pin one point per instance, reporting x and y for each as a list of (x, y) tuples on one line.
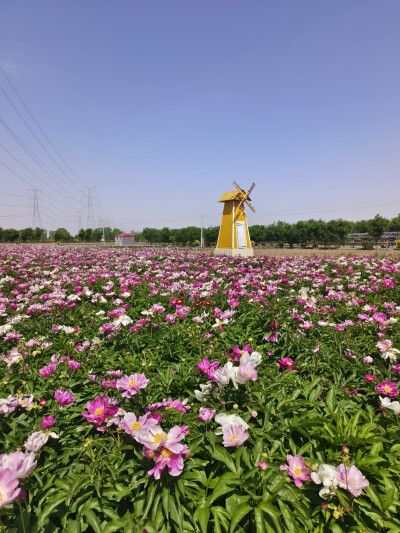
[(93, 521), (220, 454), (239, 514), (273, 513), (202, 514), (330, 401), (225, 484), (289, 519)]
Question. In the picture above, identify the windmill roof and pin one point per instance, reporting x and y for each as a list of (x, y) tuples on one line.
[(230, 195), (124, 235)]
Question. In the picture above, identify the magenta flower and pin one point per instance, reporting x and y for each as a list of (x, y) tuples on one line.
[(287, 363), (20, 464), (370, 377), (234, 435), (8, 487), (207, 368), (48, 370), (297, 469), (63, 397), (396, 368), (206, 414), (351, 478), (108, 384), (132, 384), (74, 365), (263, 465), (48, 422), (99, 410), (389, 388)]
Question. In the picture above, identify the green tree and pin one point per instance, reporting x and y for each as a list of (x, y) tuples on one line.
[(377, 226), (27, 235), (165, 235), (210, 235), (62, 235), (257, 233), (10, 235)]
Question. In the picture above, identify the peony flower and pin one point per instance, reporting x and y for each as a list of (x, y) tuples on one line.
[(351, 478), (246, 372), (130, 424), (297, 469), (48, 370), (166, 458), (234, 435), (206, 414), (370, 377), (63, 397), (327, 475), (99, 410), (20, 464), (132, 384), (74, 365), (389, 388), (387, 404), (225, 421), (8, 487), (48, 422)]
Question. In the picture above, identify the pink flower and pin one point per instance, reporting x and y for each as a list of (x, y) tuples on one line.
[(389, 388), (63, 397), (74, 365), (263, 465), (367, 360), (351, 479), (130, 424), (234, 435), (206, 414), (8, 487), (48, 370), (132, 384), (246, 372), (287, 363), (166, 458), (99, 410), (48, 422), (385, 345), (396, 368), (109, 384), (20, 463), (207, 368), (370, 377), (36, 441), (297, 469)]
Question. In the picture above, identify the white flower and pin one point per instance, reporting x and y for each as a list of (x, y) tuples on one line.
[(387, 404), (390, 354), (225, 421), (226, 373), (251, 359), (205, 391), (327, 475)]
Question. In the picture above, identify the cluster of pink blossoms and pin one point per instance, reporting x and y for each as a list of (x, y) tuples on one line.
[(343, 476)]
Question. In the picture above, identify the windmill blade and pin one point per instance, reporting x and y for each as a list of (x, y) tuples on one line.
[(249, 204), (238, 188), (250, 189)]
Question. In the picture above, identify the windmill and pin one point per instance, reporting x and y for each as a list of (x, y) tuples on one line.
[(234, 238)]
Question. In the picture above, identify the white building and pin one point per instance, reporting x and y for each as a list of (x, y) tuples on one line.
[(124, 239)]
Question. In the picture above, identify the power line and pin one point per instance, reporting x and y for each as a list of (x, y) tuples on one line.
[(38, 125), (34, 135)]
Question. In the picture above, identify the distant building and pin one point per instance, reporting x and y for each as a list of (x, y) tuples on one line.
[(124, 239), (388, 238)]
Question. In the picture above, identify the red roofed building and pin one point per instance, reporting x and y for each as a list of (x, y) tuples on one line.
[(124, 239)]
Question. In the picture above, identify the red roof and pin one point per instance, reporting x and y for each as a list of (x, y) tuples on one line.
[(124, 235)]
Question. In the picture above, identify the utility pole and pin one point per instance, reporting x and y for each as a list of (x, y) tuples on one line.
[(104, 235)]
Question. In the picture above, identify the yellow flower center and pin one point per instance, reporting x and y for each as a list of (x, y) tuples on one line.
[(241, 352), (234, 437), (1, 497), (23, 402), (248, 373), (297, 470), (99, 411), (386, 388), (166, 453), (159, 436), (132, 383), (136, 425)]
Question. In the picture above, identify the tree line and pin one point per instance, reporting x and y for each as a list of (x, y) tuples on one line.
[(308, 232)]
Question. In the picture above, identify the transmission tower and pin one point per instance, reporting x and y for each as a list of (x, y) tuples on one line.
[(36, 220), (90, 217)]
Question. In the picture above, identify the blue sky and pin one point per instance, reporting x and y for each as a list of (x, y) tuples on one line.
[(151, 109)]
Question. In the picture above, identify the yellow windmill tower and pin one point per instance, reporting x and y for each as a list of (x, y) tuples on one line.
[(234, 238)]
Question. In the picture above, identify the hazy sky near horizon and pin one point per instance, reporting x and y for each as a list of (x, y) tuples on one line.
[(143, 113)]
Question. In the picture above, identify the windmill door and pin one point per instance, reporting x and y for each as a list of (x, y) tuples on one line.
[(241, 234)]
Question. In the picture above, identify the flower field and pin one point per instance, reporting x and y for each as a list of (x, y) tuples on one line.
[(161, 391)]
